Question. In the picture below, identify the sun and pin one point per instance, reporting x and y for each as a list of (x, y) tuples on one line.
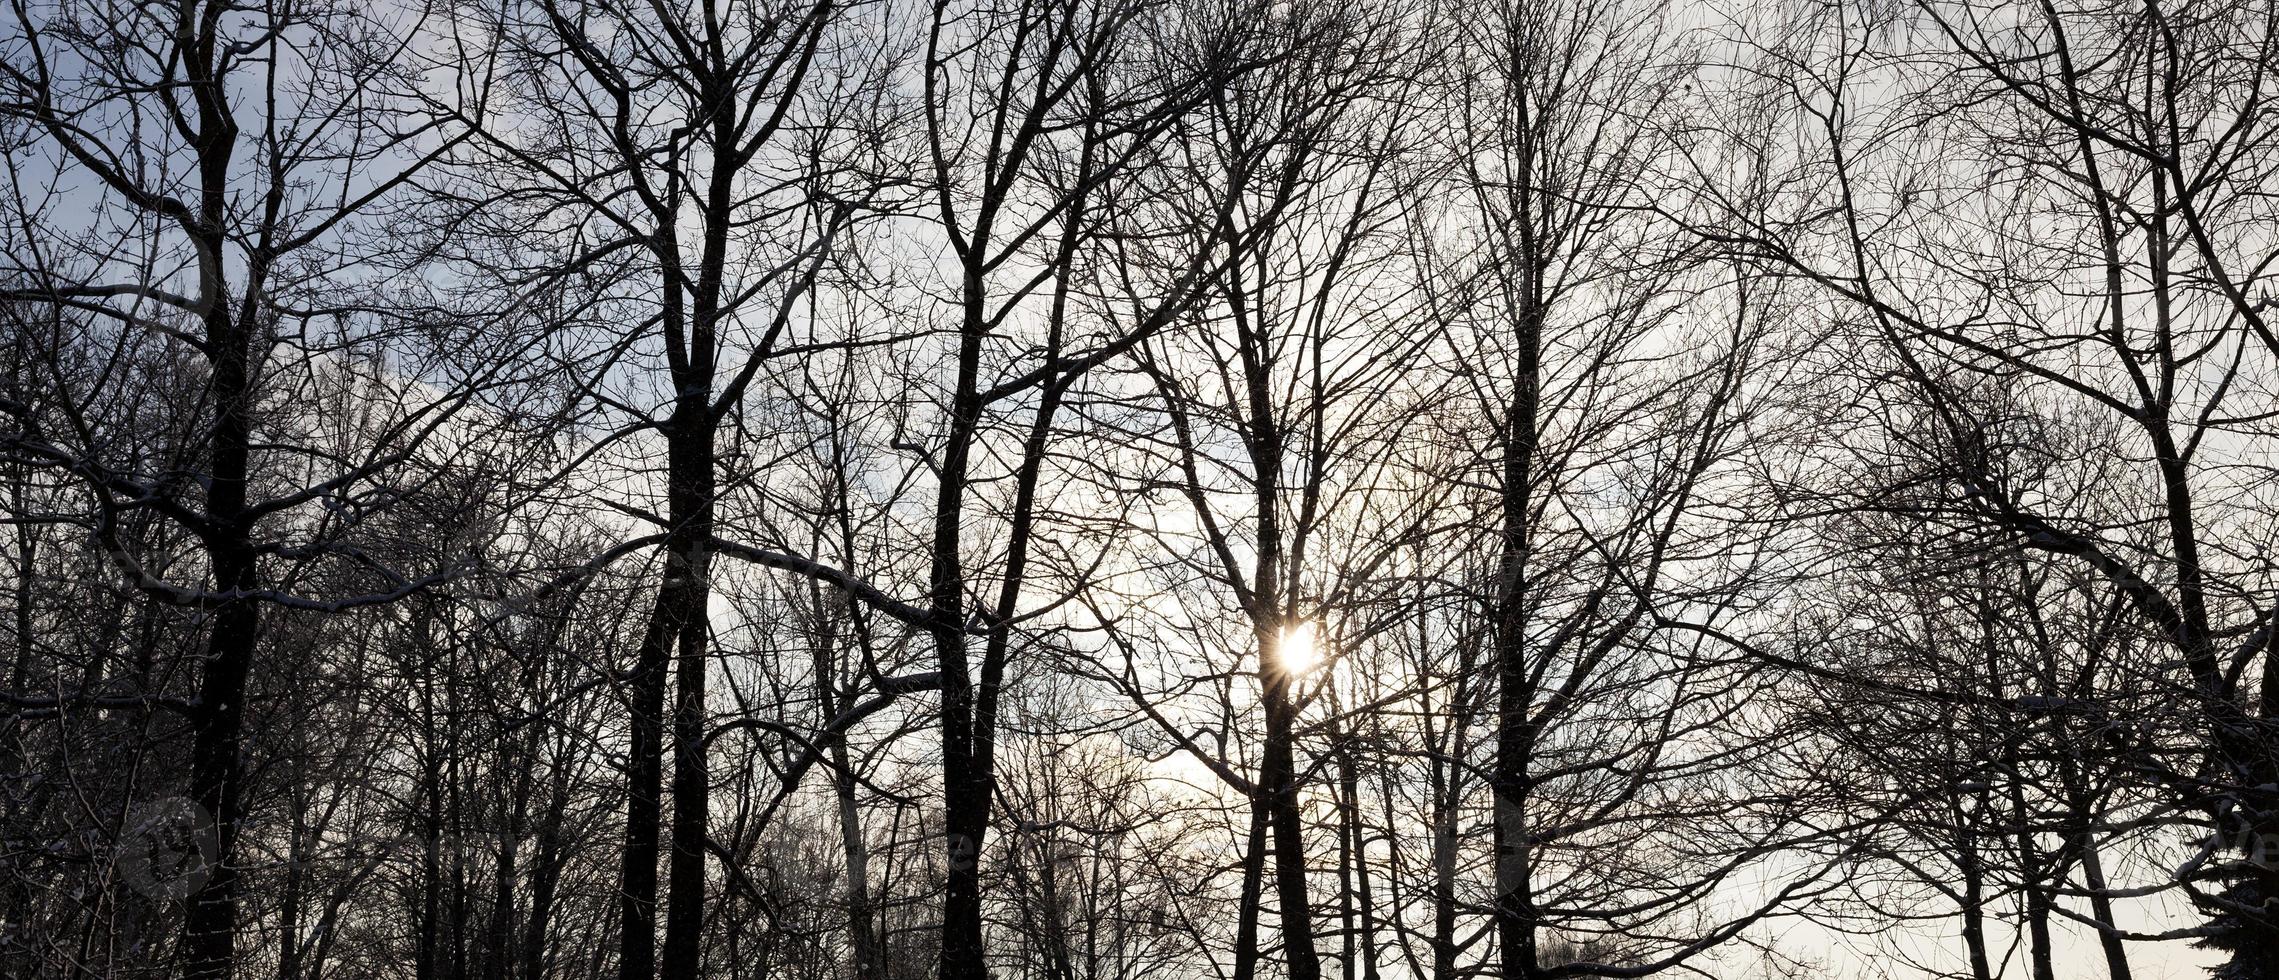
[(1300, 649)]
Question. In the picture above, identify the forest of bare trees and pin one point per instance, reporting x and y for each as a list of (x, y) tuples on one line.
[(1132, 489)]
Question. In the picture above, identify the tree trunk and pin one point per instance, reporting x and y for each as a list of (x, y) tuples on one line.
[(1253, 888), (966, 790), (862, 925), (644, 779), (2101, 907), (1974, 910), (1515, 734), (1278, 780), (209, 926)]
